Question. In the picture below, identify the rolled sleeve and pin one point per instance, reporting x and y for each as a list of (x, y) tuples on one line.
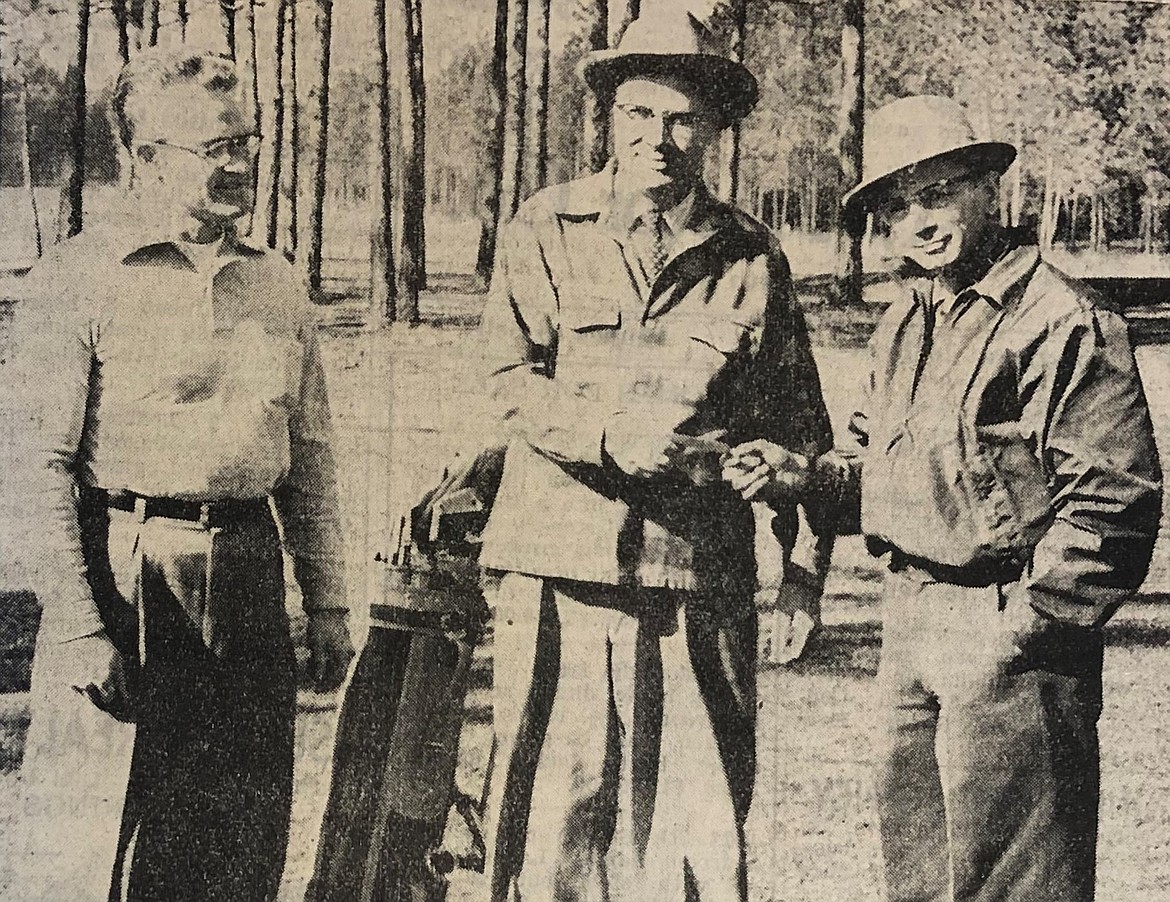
[(1106, 478), (787, 406), (307, 499)]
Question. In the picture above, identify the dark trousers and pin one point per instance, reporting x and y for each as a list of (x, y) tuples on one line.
[(988, 775), (210, 788)]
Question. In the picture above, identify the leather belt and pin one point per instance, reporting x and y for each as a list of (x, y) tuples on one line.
[(974, 575), (208, 513)]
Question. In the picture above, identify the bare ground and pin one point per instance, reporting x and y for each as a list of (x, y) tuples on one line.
[(402, 404)]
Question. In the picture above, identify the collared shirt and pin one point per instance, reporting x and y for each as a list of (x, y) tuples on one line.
[(141, 365), (574, 338), (640, 216), (1010, 433)]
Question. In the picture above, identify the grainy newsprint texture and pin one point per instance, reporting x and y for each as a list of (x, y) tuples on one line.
[(584, 450)]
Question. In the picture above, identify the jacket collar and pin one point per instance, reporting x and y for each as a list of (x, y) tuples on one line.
[(593, 198)]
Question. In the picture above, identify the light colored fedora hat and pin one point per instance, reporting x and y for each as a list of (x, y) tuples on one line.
[(668, 42), (907, 132)]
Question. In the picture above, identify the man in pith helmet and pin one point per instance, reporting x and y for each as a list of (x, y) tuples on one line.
[(635, 326), (1009, 480)]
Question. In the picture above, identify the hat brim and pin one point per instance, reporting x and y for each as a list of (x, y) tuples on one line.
[(728, 85), (994, 156)]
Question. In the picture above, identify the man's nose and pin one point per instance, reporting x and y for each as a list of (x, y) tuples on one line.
[(923, 224), (235, 163)]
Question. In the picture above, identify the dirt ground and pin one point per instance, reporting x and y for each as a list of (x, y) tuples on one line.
[(403, 406)]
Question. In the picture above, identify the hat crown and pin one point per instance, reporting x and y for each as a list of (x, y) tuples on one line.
[(658, 33), (912, 129)]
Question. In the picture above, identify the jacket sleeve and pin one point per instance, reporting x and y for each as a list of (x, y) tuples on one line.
[(784, 404), (1105, 478), (519, 340), (307, 498), (47, 397)]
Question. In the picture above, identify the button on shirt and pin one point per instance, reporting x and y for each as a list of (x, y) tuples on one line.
[(149, 366), (576, 334), (1009, 432)]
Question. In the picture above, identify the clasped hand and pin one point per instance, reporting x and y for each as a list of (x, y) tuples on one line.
[(762, 471)]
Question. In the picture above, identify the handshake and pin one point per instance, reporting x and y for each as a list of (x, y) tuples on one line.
[(758, 470)]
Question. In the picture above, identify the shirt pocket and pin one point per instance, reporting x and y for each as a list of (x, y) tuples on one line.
[(589, 354)]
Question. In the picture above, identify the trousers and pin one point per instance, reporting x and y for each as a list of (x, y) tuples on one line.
[(192, 801), (625, 730), (988, 762)]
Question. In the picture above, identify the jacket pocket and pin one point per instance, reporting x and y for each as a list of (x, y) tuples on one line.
[(591, 313), (1009, 489)]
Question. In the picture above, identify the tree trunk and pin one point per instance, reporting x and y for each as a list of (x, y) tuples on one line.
[(383, 285), (273, 217), (537, 168), (121, 21), (227, 10), (596, 110), (783, 216), (412, 271), (155, 11), (627, 11), (184, 16), (729, 151), (294, 136), (77, 138), (513, 168), (852, 121), (253, 74), (26, 164), (1017, 198), (1046, 203), (323, 34), (487, 239), (137, 16)]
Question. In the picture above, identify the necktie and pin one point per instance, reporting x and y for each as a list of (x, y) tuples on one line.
[(659, 248)]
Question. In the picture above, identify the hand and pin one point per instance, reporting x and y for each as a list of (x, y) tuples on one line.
[(765, 467), (330, 648), (1020, 623), (795, 620), (699, 457), (100, 672), (638, 446)]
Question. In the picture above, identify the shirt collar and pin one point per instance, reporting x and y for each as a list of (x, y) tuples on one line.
[(1001, 280), (137, 235), (145, 247), (594, 197)]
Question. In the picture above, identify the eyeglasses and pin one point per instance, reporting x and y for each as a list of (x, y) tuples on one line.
[(689, 121), (895, 204), (233, 147)]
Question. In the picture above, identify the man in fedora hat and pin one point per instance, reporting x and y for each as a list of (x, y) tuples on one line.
[(1010, 480), (635, 326)]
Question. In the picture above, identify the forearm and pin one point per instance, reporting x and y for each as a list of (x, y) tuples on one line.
[(309, 509), (833, 498)]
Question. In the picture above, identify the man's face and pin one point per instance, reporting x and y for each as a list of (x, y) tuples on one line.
[(197, 147), (661, 131), (938, 213)]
